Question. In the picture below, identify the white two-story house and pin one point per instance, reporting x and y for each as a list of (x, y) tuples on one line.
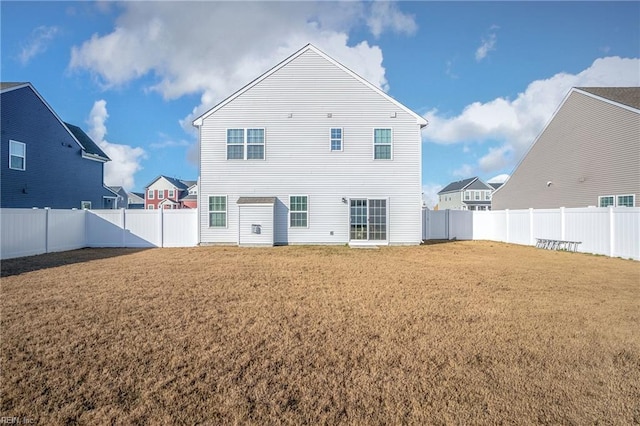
[(310, 153)]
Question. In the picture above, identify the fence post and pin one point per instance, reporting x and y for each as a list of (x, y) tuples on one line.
[(46, 229), (506, 220), (612, 232), (531, 237)]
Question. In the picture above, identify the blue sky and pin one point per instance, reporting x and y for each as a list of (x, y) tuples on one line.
[(487, 75)]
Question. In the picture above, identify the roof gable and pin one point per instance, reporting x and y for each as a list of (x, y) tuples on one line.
[(309, 47), (457, 186), (88, 145)]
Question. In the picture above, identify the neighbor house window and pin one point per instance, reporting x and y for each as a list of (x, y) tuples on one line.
[(238, 139), (160, 194), (606, 201), (298, 211), (467, 196), (626, 200), (218, 211), (336, 139), (85, 205), (171, 193), (150, 207), (17, 155), (255, 144), (487, 195), (477, 195), (150, 194), (382, 140)]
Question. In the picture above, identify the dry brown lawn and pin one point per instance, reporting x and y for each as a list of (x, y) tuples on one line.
[(455, 333)]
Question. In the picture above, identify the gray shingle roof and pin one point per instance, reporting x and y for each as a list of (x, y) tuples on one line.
[(256, 200), (89, 146), (629, 96), (457, 186), (8, 84)]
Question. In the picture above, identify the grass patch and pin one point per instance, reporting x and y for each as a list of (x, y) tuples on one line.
[(463, 332)]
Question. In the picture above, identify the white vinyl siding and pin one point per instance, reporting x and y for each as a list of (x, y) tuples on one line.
[(292, 104), (218, 211), (382, 144), (17, 155)]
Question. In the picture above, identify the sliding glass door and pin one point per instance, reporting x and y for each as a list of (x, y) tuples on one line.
[(368, 219)]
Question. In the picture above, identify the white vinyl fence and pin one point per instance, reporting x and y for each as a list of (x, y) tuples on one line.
[(26, 232), (610, 231)]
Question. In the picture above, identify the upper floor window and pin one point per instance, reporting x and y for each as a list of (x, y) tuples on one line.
[(218, 211), (245, 144), (150, 194), (160, 194), (171, 193), (382, 140), (487, 195), (336, 139), (17, 155), (467, 195), (477, 195)]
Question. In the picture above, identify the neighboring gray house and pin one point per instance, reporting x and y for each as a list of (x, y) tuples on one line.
[(128, 200), (467, 194), (310, 153), (587, 155)]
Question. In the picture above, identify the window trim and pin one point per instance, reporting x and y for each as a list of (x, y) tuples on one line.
[(390, 144), (633, 199), (291, 211), (226, 211), (150, 207), (160, 194), (171, 193), (615, 200), (341, 139), (24, 157), (246, 144), (150, 194)]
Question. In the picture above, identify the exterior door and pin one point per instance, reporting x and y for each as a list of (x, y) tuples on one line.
[(368, 219)]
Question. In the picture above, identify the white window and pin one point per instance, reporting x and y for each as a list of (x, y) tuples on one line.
[(606, 201), (626, 200), (218, 211), (150, 207), (336, 139), (150, 194), (477, 195), (17, 155), (245, 144), (171, 193), (85, 205), (298, 211), (487, 195), (160, 194), (467, 196), (382, 141)]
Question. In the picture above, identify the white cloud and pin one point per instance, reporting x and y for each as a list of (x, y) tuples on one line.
[(385, 14), (38, 42), (502, 178), (215, 48), (465, 171), (125, 160), (488, 44), (430, 194), (516, 123)]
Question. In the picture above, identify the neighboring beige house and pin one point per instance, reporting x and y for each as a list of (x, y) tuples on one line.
[(467, 194), (587, 155)]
